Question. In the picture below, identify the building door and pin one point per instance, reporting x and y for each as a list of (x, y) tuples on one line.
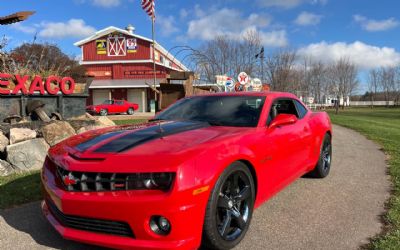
[(138, 96), (100, 95)]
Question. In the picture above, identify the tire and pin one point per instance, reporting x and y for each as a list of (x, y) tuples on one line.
[(103, 112), (229, 209), (130, 111), (323, 166)]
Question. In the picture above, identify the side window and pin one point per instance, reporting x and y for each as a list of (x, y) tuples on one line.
[(282, 106), (119, 102), (301, 109)]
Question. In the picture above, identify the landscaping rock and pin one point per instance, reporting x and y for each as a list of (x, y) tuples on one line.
[(21, 134), (3, 142), (88, 128), (57, 131), (6, 168), (78, 124), (104, 121), (27, 155)]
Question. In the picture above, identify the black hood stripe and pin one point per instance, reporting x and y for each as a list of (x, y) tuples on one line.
[(139, 137), (90, 143)]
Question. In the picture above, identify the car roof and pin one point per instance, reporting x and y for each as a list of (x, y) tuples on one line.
[(272, 94)]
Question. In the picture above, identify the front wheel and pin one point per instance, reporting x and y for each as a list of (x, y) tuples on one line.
[(103, 112), (323, 166), (130, 111), (230, 208)]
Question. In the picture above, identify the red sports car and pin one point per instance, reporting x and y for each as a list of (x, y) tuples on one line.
[(113, 107), (190, 177)]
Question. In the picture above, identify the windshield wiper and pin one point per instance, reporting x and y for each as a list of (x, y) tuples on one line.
[(215, 123), (156, 119)]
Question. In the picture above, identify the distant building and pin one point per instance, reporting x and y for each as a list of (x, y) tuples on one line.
[(122, 64)]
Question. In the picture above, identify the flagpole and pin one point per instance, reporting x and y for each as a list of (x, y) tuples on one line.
[(154, 64)]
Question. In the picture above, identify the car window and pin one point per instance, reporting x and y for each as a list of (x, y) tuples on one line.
[(282, 106), (119, 102), (237, 111), (108, 102), (300, 109)]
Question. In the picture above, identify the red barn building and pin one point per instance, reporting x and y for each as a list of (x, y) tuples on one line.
[(122, 64)]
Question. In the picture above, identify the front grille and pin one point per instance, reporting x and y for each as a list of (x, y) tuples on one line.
[(89, 224), (97, 182)]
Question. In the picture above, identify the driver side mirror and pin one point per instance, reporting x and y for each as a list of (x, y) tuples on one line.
[(282, 120)]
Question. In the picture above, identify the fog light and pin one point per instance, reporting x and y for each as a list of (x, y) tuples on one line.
[(160, 225)]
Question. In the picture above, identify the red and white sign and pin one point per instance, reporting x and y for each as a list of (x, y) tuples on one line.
[(26, 85), (243, 78), (116, 46)]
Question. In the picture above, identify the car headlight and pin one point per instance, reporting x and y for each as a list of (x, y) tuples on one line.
[(161, 181)]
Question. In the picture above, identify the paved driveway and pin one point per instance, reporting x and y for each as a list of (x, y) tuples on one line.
[(339, 212)]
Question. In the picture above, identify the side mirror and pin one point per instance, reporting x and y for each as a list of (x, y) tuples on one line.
[(282, 120)]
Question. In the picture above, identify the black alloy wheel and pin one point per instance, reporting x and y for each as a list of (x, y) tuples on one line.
[(230, 208), (103, 112), (323, 166)]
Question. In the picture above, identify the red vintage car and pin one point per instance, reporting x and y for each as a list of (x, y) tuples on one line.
[(113, 107), (190, 177)]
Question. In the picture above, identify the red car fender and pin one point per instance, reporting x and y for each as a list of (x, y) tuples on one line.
[(224, 156)]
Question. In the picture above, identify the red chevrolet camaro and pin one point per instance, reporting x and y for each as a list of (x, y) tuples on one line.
[(113, 107), (190, 177)]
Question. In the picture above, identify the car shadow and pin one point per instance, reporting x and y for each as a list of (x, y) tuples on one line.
[(30, 220)]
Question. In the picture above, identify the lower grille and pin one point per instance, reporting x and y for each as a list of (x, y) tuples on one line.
[(89, 224)]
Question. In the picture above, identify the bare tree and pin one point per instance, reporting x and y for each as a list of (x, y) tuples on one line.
[(373, 84), (223, 55), (343, 78), (388, 83), (280, 70)]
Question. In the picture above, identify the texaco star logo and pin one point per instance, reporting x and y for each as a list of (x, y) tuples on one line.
[(243, 78)]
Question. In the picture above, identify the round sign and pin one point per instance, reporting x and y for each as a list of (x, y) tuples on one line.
[(229, 84), (243, 78), (256, 84)]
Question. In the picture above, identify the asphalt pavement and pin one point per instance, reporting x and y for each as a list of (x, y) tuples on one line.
[(341, 211)]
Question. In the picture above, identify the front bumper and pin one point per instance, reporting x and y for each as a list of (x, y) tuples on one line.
[(132, 207), (92, 112)]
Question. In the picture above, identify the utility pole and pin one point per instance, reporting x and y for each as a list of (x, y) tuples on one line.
[(154, 65)]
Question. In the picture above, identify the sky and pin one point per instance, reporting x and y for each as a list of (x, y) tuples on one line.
[(366, 32)]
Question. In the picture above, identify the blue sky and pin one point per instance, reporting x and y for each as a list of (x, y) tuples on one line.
[(368, 32)]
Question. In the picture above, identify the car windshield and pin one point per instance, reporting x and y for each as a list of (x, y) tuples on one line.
[(108, 102), (237, 111)]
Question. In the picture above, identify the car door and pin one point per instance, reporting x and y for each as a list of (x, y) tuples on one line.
[(281, 149), (111, 107), (120, 107)]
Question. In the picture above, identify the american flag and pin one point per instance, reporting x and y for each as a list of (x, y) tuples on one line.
[(148, 6)]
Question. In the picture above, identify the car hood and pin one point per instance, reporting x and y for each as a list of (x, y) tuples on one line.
[(155, 145)]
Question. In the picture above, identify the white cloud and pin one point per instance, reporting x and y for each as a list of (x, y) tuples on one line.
[(167, 25), (23, 28), (75, 28), (306, 19), (183, 13), (376, 25), (230, 23), (287, 4), (106, 3), (363, 55)]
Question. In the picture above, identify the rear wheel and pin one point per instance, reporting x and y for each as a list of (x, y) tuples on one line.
[(130, 111), (230, 208), (323, 166), (103, 112)]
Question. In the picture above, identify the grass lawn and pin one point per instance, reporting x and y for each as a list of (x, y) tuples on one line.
[(126, 122), (18, 189), (383, 126)]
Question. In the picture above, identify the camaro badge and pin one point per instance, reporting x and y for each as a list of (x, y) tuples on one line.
[(69, 180)]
